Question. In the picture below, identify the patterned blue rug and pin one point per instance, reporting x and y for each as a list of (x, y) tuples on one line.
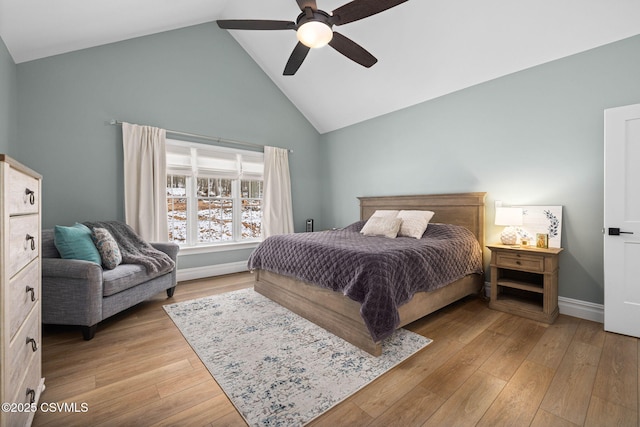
[(276, 367)]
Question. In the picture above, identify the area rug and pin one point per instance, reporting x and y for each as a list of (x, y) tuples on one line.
[(276, 367)]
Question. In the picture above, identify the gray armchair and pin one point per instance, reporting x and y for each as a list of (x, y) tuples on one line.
[(76, 292)]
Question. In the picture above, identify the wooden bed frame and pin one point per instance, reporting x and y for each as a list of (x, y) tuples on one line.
[(339, 314)]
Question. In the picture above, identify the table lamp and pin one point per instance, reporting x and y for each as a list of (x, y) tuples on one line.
[(509, 217)]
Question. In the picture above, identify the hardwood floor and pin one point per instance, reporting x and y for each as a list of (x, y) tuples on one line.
[(484, 368)]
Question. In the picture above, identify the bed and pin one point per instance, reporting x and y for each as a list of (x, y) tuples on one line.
[(340, 314)]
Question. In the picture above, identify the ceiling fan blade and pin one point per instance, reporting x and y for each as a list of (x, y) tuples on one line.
[(255, 24), (295, 60), (352, 50), (307, 3), (358, 9)]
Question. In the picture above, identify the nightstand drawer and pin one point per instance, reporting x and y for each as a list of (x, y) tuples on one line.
[(520, 261)]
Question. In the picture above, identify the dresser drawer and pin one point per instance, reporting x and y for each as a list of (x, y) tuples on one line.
[(21, 350), (24, 243), (519, 261), (22, 193), (23, 295), (26, 392)]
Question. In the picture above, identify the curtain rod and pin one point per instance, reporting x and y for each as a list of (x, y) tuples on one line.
[(205, 137)]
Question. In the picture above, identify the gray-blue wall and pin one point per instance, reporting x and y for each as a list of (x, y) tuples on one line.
[(195, 79), (8, 100), (533, 137)]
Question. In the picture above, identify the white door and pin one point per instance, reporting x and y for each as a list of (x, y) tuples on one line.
[(622, 220)]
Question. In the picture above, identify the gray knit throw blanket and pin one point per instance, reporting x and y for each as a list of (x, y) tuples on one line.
[(134, 249)]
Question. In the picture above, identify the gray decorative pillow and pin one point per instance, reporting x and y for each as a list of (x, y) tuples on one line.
[(107, 247)]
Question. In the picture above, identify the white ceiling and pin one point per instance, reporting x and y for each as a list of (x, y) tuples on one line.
[(425, 48)]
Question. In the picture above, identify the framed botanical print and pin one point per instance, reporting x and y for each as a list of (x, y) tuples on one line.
[(542, 220)]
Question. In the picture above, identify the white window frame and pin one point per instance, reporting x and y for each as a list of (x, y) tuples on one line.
[(192, 246)]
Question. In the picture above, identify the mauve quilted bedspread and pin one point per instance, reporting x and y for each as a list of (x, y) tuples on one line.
[(378, 272)]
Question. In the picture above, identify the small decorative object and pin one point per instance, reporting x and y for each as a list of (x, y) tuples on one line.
[(542, 240), (509, 217), (524, 241)]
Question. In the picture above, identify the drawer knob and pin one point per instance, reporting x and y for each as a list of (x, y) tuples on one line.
[(34, 345), (33, 293), (518, 262), (33, 241), (31, 393), (32, 196)]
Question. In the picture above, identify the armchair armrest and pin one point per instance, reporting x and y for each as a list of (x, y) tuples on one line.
[(71, 269), (71, 292), (168, 248)]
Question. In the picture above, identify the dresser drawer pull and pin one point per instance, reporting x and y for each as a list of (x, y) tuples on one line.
[(32, 196), (33, 293), (34, 345), (31, 393), (518, 262), (33, 241)]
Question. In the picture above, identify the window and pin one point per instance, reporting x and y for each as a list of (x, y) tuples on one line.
[(214, 194)]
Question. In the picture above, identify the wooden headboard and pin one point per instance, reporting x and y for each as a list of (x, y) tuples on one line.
[(465, 209)]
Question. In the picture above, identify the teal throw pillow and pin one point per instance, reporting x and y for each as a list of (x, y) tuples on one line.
[(107, 247), (75, 243)]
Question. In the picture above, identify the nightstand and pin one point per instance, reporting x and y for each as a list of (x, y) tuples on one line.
[(524, 281)]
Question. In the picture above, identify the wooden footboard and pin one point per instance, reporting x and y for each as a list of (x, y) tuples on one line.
[(340, 315)]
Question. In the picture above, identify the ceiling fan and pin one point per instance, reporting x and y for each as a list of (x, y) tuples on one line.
[(314, 29)]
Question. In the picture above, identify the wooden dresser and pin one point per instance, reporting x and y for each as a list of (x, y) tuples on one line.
[(21, 379)]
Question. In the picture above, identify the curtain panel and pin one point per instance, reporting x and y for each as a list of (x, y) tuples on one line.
[(277, 211), (145, 181)]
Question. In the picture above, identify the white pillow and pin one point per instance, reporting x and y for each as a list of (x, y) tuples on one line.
[(382, 226), (414, 223), (382, 213)]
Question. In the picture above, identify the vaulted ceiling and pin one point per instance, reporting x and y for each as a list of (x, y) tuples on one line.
[(425, 48)]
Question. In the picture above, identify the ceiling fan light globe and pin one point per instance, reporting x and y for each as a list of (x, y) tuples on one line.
[(314, 34)]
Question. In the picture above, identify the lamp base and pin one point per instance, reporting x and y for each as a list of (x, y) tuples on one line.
[(509, 236)]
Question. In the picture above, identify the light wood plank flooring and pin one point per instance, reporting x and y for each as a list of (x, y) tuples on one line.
[(484, 368)]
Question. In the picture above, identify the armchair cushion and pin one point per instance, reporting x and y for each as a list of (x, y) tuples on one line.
[(125, 277)]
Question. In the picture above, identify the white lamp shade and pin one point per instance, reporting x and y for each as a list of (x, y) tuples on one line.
[(508, 216), (314, 34)]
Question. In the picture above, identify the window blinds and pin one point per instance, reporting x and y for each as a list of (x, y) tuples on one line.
[(193, 159)]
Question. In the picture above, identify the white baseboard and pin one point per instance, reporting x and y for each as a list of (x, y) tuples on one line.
[(571, 307), (210, 270), (582, 309)]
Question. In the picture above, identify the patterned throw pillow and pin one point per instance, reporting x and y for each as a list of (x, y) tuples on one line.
[(108, 248)]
